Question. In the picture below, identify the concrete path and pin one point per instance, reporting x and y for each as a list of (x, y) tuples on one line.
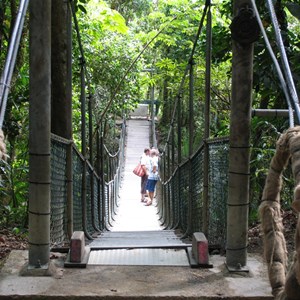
[(132, 214), (134, 282)]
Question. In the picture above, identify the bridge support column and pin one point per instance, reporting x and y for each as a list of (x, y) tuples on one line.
[(61, 93), (39, 136), (239, 152)]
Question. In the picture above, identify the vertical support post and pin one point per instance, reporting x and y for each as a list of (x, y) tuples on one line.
[(83, 104), (90, 114), (239, 152), (191, 107), (205, 213), (169, 171), (98, 168), (173, 147), (39, 138), (91, 151), (83, 148), (69, 177), (179, 136), (69, 174), (191, 141), (102, 179), (164, 168), (154, 142), (169, 160), (61, 83), (164, 186)]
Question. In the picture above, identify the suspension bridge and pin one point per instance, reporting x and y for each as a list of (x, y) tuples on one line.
[(136, 256), (92, 194)]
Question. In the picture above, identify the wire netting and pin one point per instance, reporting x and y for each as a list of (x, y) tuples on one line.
[(183, 194), (197, 190), (96, 201), (58, 227), (77, 191), (89, 202), (218, 192)]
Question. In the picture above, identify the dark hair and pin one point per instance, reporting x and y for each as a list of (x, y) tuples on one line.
[(146, 150)]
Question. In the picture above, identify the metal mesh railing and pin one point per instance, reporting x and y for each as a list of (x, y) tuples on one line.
[(183, 200), (77, 188), (94, 199), (58, 228), (197, 190), (218, 192)]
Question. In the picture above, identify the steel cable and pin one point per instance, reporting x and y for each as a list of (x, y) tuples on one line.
[(285, 63), (207, 5), (11, 58), (278, 69)]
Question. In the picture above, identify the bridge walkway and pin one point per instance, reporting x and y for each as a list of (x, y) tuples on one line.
[(137, 226), (132, 214)]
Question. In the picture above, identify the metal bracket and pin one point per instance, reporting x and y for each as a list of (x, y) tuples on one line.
[(244, 27)]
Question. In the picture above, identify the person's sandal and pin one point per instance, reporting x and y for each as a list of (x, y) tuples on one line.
[(148, 203)]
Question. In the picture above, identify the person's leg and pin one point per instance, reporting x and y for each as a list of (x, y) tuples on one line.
[(149, 201), (143, 187), (151, 195), (150, 187)]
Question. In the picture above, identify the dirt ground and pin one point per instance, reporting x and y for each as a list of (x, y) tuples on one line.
[(289, 219)]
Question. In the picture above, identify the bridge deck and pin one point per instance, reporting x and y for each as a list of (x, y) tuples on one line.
[(136, 237), (132, 214)]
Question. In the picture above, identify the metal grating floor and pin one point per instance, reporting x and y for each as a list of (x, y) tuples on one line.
[(138, 257), (138, 239)]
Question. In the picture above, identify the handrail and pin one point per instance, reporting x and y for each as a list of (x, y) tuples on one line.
[(96, 213), (110, 154), (11, 58), (174, 209)]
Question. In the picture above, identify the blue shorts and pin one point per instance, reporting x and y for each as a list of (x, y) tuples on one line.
[(150, 186)]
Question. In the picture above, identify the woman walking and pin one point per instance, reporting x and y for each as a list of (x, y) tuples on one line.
[(145, 163), (153, 176)]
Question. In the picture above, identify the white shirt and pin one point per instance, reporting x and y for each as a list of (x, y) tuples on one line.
[(154, 163), (145, 161)]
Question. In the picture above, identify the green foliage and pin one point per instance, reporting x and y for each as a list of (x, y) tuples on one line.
[(14, 171), (113, 34), (264, 137), (109, 51), (80, 5), (131, 10), (294, 9)]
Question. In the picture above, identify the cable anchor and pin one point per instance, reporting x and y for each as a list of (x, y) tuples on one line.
[(244, 27)]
